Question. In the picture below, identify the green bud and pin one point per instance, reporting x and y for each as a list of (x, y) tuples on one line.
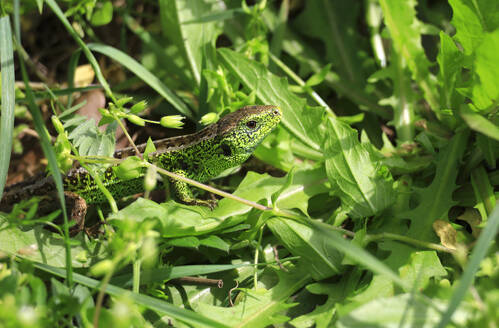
[(138, 107), (130, 168), (172, 121), (101, 268), (136, 120), (123, 101), (209, 118), (104, 112), (57, 124), (150, 179)]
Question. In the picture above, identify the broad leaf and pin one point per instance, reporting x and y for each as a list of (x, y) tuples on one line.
[(364, 186)]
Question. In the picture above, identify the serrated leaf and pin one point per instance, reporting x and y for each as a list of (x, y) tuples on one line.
[(450, 61), (436, 200), (405, 31), (362, 189)]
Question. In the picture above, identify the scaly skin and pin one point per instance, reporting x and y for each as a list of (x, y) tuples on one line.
[(200, 156)]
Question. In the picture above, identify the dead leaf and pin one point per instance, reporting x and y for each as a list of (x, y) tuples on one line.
[(84, 75), (446, 233)]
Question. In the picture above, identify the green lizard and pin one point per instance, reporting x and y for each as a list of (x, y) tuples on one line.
[(199, 156)]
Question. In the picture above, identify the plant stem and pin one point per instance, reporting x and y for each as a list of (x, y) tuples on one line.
[(136, 274)]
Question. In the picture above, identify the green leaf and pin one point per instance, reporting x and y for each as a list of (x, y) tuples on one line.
[(150, 147), (487, 57), (472, 19), (443, 185), (402, 310), (189, 242), (192, 38), (42, 245), (400, 18), (450, 61), (8, 98), (331, 22), (143, 74), (261, 307), (479, 123), (318, 77), (214, 241), (102, 14), (420, 268), (364, 187), (489, 148), (484, 192), (304, 123), (321, 260)]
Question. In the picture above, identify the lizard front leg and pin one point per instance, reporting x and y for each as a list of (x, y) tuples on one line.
[(184, 193)]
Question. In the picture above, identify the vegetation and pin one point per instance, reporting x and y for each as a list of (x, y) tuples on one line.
[(372, 205)]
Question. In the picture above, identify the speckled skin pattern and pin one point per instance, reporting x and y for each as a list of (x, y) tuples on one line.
[(200, 156)]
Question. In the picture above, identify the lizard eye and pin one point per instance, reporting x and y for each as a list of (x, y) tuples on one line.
[(251, 124)]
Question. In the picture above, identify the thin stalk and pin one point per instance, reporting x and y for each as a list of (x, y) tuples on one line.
[(136, 274), (300, 82), (255, 262), (210, 189), (128, 136), (408, 240), (98, 181)]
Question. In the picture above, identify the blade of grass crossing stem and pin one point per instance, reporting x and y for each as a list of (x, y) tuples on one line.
[(186, 316), (52, 164), (143, 74), (479, 252), (8, 98), (91, 59)]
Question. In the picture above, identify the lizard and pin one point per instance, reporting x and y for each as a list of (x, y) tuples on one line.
[(200, 156)]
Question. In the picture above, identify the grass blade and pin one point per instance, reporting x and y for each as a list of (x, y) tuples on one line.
[(52, 164), (8, 98), (144, 74)]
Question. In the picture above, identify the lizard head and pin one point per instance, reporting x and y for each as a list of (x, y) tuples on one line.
[(243, 130)]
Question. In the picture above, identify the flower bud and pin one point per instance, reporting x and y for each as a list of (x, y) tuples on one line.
[(172, 121)]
